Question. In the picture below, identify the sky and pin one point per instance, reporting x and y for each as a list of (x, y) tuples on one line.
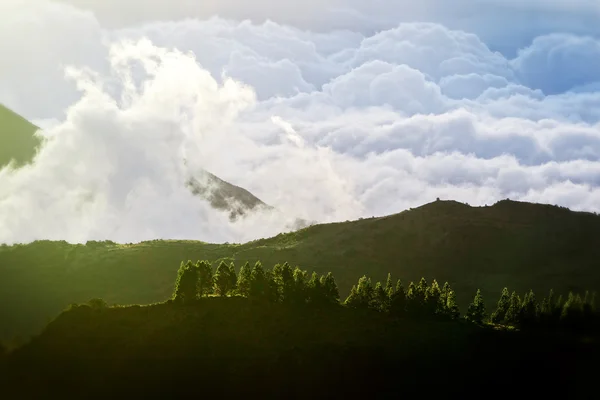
[(329, 111)]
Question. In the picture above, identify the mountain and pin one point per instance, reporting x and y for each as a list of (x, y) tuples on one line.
[(18, 142), (519, 245), (17, 139), (225, 196)]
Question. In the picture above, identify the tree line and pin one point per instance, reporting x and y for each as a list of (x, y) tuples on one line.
[(420, 300)]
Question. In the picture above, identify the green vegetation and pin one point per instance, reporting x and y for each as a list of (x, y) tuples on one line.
[(17, 139), (518, 245), (291, 338), (421, 301)]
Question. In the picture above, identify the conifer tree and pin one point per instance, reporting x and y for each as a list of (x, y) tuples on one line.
[(361, 295), (558, 306), (353, 300), (512, 315), (501, 308), (413, 306), (422, 290), (389, 287), (315, 292), (529, 309), (330, 289), (379, 301), (398, 300), (476, 311), (432, 299), (222, 279), (205, 278), (232, 277), (451, 306), (243, 280), (572, 311), (300, 292), (186, 283), (272, 293), (258, 282), (546, 308), (588, 306), (444, 295), (284, 278)]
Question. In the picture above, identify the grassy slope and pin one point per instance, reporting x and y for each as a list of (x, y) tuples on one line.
[(519, 245), (17, 140), (271, 350)]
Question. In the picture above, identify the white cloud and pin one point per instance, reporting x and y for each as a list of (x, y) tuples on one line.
[(326, 126)]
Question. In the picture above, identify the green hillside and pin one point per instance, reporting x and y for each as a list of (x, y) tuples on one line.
[(17, 140), (520, 245), (230, 347)]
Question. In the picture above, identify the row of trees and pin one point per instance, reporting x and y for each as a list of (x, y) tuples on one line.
[(575, 311), (281, 284), (420, 300)]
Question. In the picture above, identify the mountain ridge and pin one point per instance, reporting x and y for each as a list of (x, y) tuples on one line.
[(519, 245)]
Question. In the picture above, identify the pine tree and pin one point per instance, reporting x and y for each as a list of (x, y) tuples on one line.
[(222, 279), (421, 290), (243, 281), (546, 308), (379, 301), (451, 306), (572, 311), (330, 289), (432, 299), (315, 292), (205, 278), (300, 289), (476, 311), (353, 300), (529, 309), (186, 283), (284, 277), (361, 295), (444, 296), (389, 287), (258, 282), (232, 277), (272, 293), (588, 305), (413, 307), (512, 315), (501, 308), (398, 300)]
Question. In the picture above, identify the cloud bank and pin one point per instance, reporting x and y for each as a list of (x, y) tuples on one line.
[(324, 125)]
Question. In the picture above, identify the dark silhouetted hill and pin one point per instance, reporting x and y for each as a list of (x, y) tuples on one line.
[(229, 347)]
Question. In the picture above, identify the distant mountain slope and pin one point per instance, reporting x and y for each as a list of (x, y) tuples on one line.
[(225, 196), (520, 245), (17, 141)]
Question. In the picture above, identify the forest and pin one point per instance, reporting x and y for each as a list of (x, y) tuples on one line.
[(285, 333), (295, 286)]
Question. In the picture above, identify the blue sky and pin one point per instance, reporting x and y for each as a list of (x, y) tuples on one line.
[(328, 110)]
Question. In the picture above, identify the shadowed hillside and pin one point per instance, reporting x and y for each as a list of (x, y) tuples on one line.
[(232, 346), (519, 245)]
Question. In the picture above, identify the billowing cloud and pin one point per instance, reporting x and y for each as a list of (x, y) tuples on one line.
[(322, 125)]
